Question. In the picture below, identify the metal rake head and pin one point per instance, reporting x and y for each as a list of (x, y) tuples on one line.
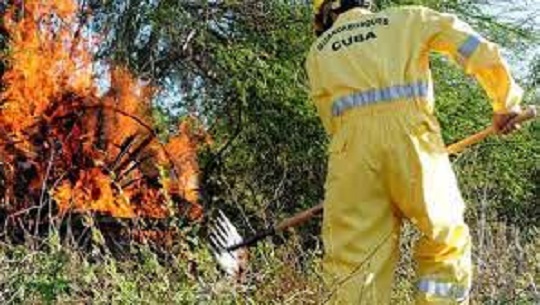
[(223, 235)]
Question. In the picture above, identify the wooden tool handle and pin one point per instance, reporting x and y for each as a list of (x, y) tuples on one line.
[(529, 113), (299, 218), (287, 223)]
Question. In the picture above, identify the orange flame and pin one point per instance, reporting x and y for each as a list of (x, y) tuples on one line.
[(100, 153), (92, 192), (44, 61)]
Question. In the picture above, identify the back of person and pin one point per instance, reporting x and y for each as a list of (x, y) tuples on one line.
[(370, 81), (365, 51), (385, 55)]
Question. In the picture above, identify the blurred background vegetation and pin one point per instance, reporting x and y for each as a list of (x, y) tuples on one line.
[(237, 66)]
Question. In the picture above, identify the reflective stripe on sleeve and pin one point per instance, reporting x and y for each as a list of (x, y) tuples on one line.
[(443, 290), (415, 90), (469, 46)]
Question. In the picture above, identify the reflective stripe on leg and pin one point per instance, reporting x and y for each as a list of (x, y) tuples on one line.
[(443, 289)]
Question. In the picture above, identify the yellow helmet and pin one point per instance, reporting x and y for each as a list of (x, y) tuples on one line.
[(317, 4), (337, 4)]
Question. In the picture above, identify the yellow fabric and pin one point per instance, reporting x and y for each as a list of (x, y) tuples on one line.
[(317, 5), (371, 83), (388, 162)]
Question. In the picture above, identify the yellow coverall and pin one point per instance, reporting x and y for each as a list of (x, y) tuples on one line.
[(371, 83)]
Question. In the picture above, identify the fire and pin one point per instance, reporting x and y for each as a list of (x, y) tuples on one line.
[(93, 191), (88, 152), (44, 61)]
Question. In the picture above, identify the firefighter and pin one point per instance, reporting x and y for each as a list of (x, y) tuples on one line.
[(371, 83)]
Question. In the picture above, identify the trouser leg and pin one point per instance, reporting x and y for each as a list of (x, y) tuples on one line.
[(426, 190), (360, 233)]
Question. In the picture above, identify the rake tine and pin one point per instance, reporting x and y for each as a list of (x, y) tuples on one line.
[(221, 239), (224, 225), (224, 231), (219, 231), (217, 244), (214, 248), (230, 228), (224, 221), (220, 222)]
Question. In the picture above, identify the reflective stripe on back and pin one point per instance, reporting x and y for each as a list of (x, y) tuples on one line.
[(443, 290), (410, 91)]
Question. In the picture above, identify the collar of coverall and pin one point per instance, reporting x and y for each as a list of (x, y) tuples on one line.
[(352, 13)]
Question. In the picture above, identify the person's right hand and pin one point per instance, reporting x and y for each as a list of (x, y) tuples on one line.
[(505, 123)]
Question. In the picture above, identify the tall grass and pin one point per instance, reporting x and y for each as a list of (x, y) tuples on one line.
[(506, 272)]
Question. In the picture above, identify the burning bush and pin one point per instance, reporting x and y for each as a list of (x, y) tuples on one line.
[(66, 147)]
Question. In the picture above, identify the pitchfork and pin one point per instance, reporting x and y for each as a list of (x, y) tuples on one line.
[(230, 249)]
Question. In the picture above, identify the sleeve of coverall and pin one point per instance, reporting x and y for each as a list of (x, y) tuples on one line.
[(318, 94), (479, 57)]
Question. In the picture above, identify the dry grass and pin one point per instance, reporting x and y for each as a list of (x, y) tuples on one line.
[(506, 263)]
